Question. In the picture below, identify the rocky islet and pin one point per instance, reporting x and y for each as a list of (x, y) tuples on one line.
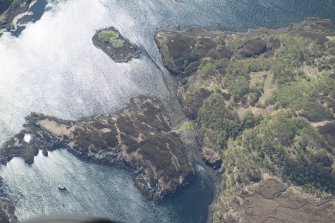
[(118, 48)]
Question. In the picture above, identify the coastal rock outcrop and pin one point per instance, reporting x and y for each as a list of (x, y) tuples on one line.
[(10, 9), (138, 138), (120, 49), (211, 157)]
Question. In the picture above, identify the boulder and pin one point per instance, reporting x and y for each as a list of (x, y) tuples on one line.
[(211, 157)]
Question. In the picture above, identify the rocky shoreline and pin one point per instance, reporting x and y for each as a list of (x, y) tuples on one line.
[(9, 10), (118, 48), (138, 138)]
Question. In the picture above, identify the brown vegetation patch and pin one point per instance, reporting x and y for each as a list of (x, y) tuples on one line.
[(252, 48), (273, 201)]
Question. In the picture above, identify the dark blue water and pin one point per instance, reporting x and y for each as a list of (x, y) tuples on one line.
[(51, 66)]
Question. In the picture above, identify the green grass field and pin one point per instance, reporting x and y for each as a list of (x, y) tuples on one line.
[(111, 37)]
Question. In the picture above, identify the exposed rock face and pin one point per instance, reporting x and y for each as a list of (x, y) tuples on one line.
[(115, 46), (212, 157), (138, 138), (7, 211), (9, 10), (273, 201)]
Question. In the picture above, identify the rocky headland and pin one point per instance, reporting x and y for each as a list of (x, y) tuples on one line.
[(138, 138), (263, 104), (118, 48), (9, 9)]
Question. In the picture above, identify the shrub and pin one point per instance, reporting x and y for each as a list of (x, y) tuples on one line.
[(250, 120), (292, 149), (315, 112), (293, 53), (254, 96), (218, 122), (237, 87), (241, 166)]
